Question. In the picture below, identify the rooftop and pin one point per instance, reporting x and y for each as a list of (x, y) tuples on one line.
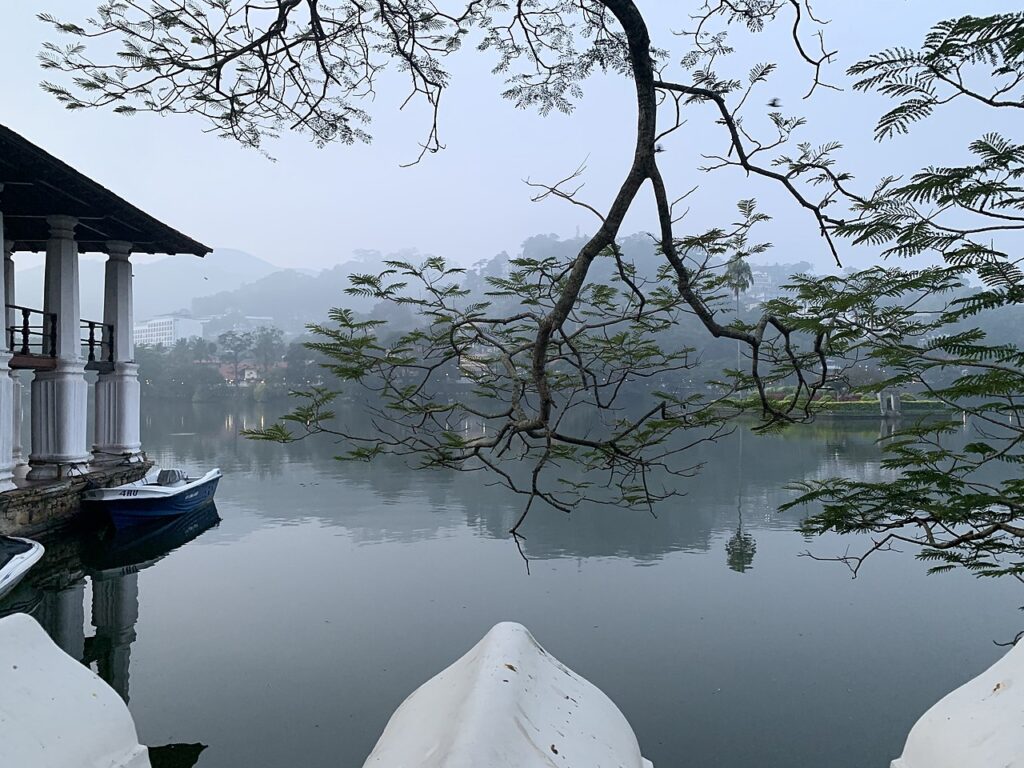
[(36, 185)]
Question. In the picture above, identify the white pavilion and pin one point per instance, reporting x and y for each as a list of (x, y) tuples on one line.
[(47, 206)]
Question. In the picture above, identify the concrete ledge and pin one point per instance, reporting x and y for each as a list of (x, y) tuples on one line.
[(36, 507)]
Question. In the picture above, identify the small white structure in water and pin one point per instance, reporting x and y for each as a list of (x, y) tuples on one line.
[(507, 703), (979, 725), (56, 712)]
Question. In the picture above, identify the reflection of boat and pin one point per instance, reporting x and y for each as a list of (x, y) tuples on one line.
[(142, 545), (17, 556), (168, 493)]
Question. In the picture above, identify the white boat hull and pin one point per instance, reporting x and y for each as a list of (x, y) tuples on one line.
[(13, 571), (56, 712), (507, 704)]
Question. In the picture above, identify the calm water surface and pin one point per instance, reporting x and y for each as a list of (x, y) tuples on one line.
[(287, 634)]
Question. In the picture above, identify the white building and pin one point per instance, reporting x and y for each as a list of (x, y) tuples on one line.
[(167, 330), (761, 285)]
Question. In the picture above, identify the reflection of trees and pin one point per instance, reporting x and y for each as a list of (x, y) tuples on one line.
[(387, 500), (740, 548)]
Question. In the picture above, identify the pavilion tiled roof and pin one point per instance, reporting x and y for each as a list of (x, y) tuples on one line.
[(36, 185)]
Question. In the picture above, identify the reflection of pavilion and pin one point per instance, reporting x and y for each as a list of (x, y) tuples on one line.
[(112, 568), (114, 611)]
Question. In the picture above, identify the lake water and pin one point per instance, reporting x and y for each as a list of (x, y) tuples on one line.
[(288, 633)]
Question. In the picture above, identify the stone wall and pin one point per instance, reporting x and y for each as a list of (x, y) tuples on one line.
[(45, 506)]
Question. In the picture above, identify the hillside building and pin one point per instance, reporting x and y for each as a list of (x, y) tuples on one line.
[(167, 330)]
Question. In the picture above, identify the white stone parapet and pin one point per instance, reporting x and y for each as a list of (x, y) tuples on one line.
[(117, 415), (59, 419)]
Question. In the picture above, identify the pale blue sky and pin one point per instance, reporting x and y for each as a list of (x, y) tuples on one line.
[(313, 207)]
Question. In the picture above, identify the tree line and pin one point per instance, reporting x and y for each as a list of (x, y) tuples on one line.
[(198, 369)]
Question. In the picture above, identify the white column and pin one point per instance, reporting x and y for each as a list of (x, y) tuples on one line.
[(60, 396), (6, 401), (17, 387), (117, 390)]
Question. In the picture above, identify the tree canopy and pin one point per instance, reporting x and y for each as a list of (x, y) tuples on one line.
[(549, 350)]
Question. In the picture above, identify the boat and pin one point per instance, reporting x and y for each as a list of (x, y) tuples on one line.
[(17, 556), (162, 494), (507, 702)]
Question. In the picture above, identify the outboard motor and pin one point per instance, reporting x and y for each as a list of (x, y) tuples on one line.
[(171, 477)]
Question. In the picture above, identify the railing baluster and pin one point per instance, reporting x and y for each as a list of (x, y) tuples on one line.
[(110, 347), (53, 334), (92, 342), (24, 330)]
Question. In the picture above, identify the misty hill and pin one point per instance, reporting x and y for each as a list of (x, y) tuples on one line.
[(291, 298), (161, 286), (294, 297)]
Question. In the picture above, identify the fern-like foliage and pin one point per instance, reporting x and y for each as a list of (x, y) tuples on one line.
[(956, 53), (958, 499)]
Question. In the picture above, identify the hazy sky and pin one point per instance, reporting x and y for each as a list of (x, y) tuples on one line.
[(313, 207)]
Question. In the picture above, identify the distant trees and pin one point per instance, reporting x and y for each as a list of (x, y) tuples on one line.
[(235, 346), (739, 278), (267, 347), (190, 369), (180, 372)]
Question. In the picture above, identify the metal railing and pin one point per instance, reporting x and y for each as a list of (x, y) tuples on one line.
[(101, 348), (35, 334)]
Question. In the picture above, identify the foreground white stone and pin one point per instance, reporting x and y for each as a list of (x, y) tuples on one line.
[(507, 704), (55, 712), (979, 725)]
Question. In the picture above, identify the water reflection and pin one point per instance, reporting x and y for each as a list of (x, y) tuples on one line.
[(108, 562), (738, 494), (696, 623)]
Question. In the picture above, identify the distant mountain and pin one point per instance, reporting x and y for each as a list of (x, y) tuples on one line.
[(293, 297), (162, 286)]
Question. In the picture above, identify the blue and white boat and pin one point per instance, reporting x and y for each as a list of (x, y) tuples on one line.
[(167, 493), (17, 556)]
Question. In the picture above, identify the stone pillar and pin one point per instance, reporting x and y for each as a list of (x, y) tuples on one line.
[(6, 401), (117, 390), (60, 396), (17, 387)]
